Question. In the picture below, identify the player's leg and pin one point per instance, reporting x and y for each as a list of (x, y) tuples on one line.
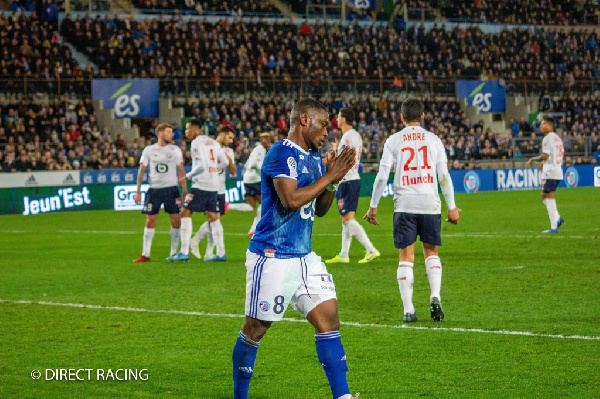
[(148, 237), (269, 289), (257, 215), (244, 354), (429, 229), (343, 256), (210, 243), (548, 198), (202, 232), (151, 207), (175, 232), (172, 208), (351, 196), (316, 300), (405, 236), (216, 231)]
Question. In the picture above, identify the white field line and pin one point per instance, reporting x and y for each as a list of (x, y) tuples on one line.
[(345, 323), (456, 235)]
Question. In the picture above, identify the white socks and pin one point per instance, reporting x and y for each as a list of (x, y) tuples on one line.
[(434, 274), (244, 207), (353, 229), (202, 232), (186, 235), (256, 218), (148, 236), (175, 234), (405, 283), (552, 212), (216, 229), (346, 240)]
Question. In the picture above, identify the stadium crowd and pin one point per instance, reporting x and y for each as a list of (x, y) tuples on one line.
[(171, 48), (214, 7), (548, 12), (62, 135)]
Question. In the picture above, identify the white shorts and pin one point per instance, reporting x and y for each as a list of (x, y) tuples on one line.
[(272, 284)]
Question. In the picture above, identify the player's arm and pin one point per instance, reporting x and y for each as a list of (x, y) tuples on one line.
[(140, 179), (182, 179), (447, 191), (293, 198), (231, 165), (222, 161), (385, 166), (196, 170), (540, 158)]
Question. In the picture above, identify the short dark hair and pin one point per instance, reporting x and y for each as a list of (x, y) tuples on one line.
[(304, 107), (348, 114), (195, 122), (412, 110), (548, 119), (225, 129)]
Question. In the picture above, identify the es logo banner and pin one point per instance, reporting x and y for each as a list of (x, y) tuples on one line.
[(129, 98), (486, 95)]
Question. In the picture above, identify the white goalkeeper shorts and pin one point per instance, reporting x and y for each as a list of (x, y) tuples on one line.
[(272, 284)]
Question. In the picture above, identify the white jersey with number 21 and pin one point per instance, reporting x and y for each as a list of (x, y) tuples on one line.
[(415, 155)]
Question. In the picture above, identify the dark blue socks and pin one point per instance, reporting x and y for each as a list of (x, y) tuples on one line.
[(244, 355), (333, 359)]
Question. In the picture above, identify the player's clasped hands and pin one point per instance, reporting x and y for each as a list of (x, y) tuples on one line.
[(339, 165)]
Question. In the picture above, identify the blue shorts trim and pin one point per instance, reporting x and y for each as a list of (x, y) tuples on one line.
[(407, 226), (252, 189), (347, 196), (221, 203), (203, 201), (155, 197), (550, 185)]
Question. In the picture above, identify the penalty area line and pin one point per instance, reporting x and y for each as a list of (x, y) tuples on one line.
[(286, 319)]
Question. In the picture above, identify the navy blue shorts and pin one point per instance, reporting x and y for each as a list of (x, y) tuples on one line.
[(550, 185), (252, 189), (221, 203), (155, 197), (408, 225), (203, 201), (347, 196)]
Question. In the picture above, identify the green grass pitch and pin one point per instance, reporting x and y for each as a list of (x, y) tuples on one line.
[(522, 309)]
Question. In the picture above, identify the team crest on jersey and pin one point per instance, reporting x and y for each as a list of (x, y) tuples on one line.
[(291, 162), (264, 306)]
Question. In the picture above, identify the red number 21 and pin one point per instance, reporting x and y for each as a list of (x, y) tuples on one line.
[(411, 157)]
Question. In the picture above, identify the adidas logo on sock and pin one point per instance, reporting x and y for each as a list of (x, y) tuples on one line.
[(246, 369), (343, 359)]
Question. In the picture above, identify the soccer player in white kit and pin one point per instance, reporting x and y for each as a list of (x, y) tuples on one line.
[(419, 161), (552, 174), (348, 192), (164, 161), (208, 159), (252, 175), (224, 138)]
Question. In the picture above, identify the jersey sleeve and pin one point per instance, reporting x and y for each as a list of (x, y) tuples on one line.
[(145, 158), (178, 155), (280, 163), (546, 147)]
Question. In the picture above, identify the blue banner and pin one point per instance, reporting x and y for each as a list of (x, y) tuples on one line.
[(487, 95), (129, 98)]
